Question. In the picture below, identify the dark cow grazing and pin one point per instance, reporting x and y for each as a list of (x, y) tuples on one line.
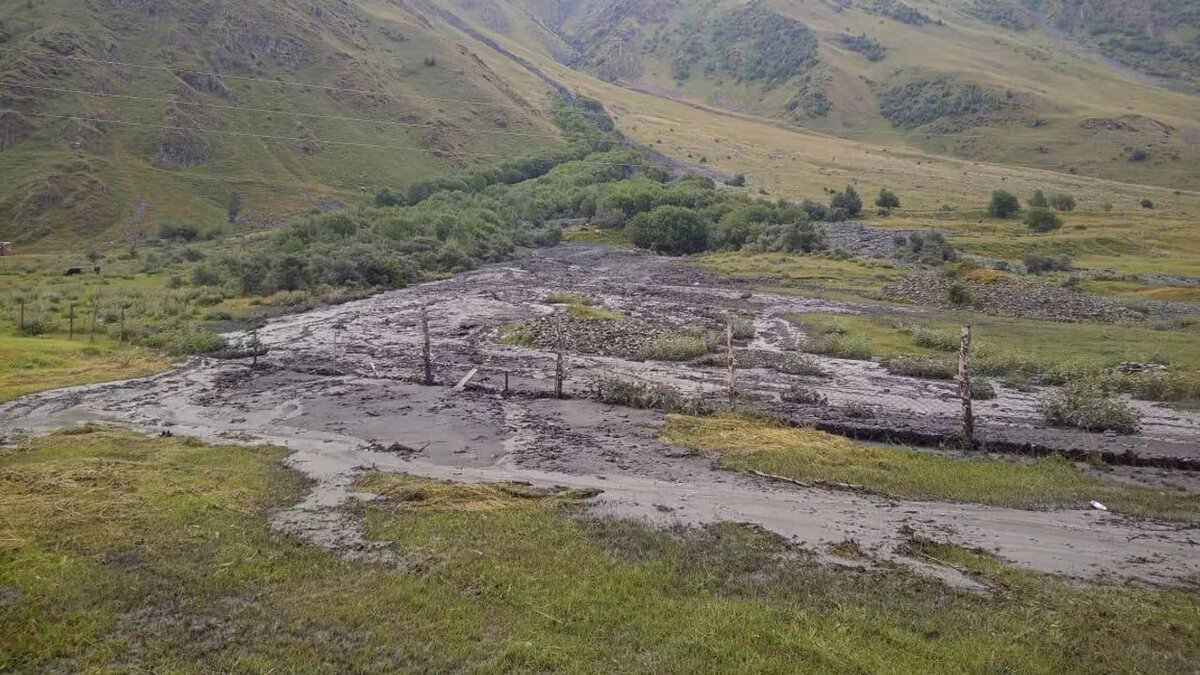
[(74, 271)]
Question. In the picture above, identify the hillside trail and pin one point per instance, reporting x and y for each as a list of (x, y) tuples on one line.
[(337, 389)]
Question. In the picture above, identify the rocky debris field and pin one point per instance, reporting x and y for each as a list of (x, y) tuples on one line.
[(1032, 300), (339, 387)]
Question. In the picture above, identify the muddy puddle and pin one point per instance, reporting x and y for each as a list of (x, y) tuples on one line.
[(339, 389)]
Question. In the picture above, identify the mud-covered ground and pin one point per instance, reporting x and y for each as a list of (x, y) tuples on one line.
[(339, 388)]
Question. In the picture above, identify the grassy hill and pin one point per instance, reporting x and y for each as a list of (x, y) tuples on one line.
[(118, 114), (986, 81)]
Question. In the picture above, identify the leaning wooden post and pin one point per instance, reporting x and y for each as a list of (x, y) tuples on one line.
[(95, 316), (964, 386), (425, 349), (558, 361), (732, 361)]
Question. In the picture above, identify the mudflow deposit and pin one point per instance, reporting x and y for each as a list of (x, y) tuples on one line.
[(341, 387)]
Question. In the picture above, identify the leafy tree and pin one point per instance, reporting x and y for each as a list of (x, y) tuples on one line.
[(1042, 220), (1038, 200), (849, 201), (1003, 205), (1062, 202), (673, 230), (887, 200)]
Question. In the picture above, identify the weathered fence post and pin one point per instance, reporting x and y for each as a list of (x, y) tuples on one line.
[(95, 316), (506, 383), (731, 359), (71, 329), (21, 325), (254, 347), (426, 358), (964, 386), (558, 361), (121, 335)]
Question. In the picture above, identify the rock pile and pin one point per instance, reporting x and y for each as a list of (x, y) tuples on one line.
[(1033, 301)]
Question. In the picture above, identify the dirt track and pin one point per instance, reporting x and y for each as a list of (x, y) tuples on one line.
[(337, 389)]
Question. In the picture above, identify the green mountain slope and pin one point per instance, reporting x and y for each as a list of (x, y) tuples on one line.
[(999, 81), (116, 114)]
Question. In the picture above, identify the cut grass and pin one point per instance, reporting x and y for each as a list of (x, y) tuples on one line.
[(808, 455), (124, 553), (30, 365)]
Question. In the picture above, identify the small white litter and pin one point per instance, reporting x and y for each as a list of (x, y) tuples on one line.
[(1098, 506)]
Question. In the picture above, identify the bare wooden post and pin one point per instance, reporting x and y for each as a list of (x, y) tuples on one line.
[(964, 386), (732, 361), (254, 345), (21, 325), (71, 329), (425, 349), (95, 316), (121, 335), (558, 361), (506, 383)]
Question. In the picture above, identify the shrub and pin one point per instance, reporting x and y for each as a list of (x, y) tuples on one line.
[(853, 348), (1062, 202), (1042, 220), (802, 395), (673, 230), (941, 340), (744, 330), (633, 394), (887, 199), (1086, 405), (679, 347), (1040, 263), (1147, 204), (1038, 200), (738, 180), (1003, 205), (1139, 155), (921, 366), (1107, 207), (205, 276), (961, 294), (34, 327), (801, 364), (518, 335), (926, 248), (849, 201), (1173, 386), (982, 389)]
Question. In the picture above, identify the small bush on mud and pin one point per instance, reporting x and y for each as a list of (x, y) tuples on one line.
[(34, 328), (801, 364), (858, 411), (982, 389), (744, 330), (842, 347), (834, 329), (1087, 405), (633, 394), (518, 335), (1171, 386), (802, 395), (561, 298), (679, 347), (921, 366), (941, 340), (962, 294)]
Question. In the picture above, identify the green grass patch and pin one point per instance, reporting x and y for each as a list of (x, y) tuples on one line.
[(518, 334), (809, 455), (30, 365), (682, 347), (854, 277), (595, 313), (124, 553), (853, 347)]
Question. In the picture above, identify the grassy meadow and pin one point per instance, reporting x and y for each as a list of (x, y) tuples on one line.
[(121, 552)]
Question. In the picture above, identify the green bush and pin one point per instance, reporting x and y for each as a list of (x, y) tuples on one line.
[(632, 394), (1086, 405), (854, 348), (848, 201), (962, 295), (673, 230), (982, 389), (744, 330), (1038, 200), (926, 248), (518, 335), (802, 395), (1003, 205), (1147, 204), (679, 347), (887, 199), (1040, 263), (941, 340), (801, 364), (1062, 202), (1170, 386), (1042, 220)]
